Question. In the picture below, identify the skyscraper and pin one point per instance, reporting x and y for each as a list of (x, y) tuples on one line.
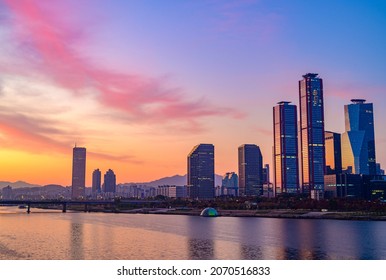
[(230, 182), (333, 153), (110, 182), (266, 174), (201, 172), (250, 170), (358, 141), (78, 172), (96, 181), (312, 135), (286, 165)]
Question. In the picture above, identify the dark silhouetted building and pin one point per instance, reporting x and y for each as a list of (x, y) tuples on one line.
[(250, 170), (312, 147), (286, 164), (266, 174), (78, 173), (358, 141), (230, 184), (110, 182), (7, 192), (344, 185), (374, 187), (333, 153), (96, 181), (201, 172), (379, 170)]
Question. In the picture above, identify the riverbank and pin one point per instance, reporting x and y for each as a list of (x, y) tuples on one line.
[(282, 213), (271, 213)]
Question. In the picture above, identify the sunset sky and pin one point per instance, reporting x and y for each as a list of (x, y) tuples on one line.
[(139, 83)]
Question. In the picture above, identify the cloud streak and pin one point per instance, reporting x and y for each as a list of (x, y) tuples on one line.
[(51, 52), (34, 134)]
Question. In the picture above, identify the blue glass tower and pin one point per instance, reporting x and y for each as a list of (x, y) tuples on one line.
[(312, 135), (358, 141), (250, 170), (286, 170), (201, 172)]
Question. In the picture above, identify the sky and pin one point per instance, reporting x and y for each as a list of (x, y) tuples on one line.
[(139, 83)]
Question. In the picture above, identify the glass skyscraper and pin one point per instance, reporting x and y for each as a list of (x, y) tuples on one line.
[(201, 172), (250, 170), (230, 182), (286, 170), (358, 141), (333, 153), (312, 154), (78, 172)]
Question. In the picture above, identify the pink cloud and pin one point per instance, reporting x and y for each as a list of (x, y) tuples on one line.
[(141, 98), (33, 134)]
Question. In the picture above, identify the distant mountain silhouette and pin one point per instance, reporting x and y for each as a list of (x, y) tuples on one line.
[(17, 185), (178, 180)]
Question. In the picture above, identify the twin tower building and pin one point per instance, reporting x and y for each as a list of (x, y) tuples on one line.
[(303, 152)]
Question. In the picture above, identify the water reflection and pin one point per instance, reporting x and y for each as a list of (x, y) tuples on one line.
[(76, 241), (250, 252), (200, 249), (106, 236), (200, 239)]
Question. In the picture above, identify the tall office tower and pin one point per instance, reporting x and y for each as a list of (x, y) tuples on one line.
[(110, 182), (358, 141), (250, 170), (201, 172), (78, 172), (333, 153), (286, 164), (266, 174), (312, 135), (96, 181), (230, 182)]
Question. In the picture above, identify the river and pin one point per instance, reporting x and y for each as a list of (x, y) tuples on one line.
[(55, 235)]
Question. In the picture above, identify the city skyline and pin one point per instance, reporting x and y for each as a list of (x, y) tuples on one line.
[(138, 86)]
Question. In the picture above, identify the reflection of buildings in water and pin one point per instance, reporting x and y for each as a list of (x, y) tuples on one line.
[(370, 237), (300, 240), (258, 238), (76, 241), (201, 249), (251, 252), (311, 239), (363, 238), (200, 238), (289, 249)]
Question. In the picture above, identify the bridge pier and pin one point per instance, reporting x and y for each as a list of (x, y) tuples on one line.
[(64, 210)]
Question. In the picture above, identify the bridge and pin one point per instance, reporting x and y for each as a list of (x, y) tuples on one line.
[(65, 203)]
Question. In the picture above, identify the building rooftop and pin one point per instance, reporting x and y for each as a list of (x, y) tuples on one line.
[(284, 102), (358, 101), (310, 75)]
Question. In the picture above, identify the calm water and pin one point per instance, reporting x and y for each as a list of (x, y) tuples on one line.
[(56, 235)]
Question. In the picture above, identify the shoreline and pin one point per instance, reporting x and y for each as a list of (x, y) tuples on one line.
[(279, 214), (276, 213)]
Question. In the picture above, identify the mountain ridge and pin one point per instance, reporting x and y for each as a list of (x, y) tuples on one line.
[(178, 180)]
